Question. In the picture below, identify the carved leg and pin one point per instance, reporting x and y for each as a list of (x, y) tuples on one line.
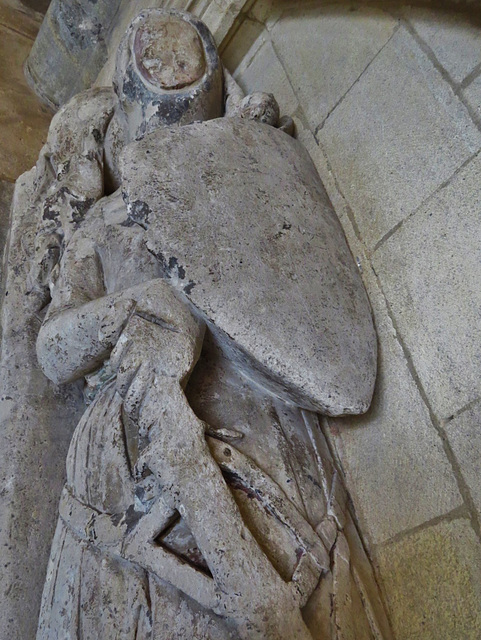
[(248, 589)]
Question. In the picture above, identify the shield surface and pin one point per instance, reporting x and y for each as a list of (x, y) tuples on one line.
[(240, 220)]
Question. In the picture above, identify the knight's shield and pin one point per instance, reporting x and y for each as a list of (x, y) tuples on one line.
[(240, 220)]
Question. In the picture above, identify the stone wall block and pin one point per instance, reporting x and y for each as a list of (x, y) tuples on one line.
[(429, 272), (464, 436), (432, 578), (453, 37), (325, 49), (397, 136)]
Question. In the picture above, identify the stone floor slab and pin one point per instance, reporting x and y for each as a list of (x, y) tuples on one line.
[(397, 136), (337, 43), (429, 272), (433, 583), (464, 435), (453, 37)]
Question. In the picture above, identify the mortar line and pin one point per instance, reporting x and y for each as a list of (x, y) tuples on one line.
[(239, 20), (456, 87), (424, 203), (281, 62), (391, 232), (472, 75), (455, 514), (460, 412), (356, 81), (462, 486)]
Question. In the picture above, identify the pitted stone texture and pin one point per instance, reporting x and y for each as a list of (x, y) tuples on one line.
[(429, 272), (237, 213), (393, 459), (433, 583), (464, 436), (70, 48), (397, 136), (36, 421), (453, 37), (6, 195), (338, 44)]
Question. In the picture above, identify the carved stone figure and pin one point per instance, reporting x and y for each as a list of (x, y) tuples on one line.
[(201, 284)]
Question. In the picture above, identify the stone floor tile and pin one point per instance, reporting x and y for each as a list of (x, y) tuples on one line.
[(397, 136), (433, 583), (454, 38), (464, 436), (336, 41), (429, 272), (265, 73), (23, 120), (395, 467)]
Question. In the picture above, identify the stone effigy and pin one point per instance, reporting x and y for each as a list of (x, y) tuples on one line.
[(199, 281)]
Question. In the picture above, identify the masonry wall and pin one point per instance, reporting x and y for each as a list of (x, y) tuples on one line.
[(387, 99)]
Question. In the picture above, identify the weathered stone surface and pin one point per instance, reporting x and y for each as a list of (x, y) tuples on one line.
[(463, 433), (338, 44), (6, 195), (220, 178), (454, 38), (392, 457), (238, 483), (170, 54), (36, 421), (400, 109), (70, 48), (432, 579), (429, 272)]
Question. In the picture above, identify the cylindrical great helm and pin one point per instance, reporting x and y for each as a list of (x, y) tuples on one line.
[(167, 72)]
